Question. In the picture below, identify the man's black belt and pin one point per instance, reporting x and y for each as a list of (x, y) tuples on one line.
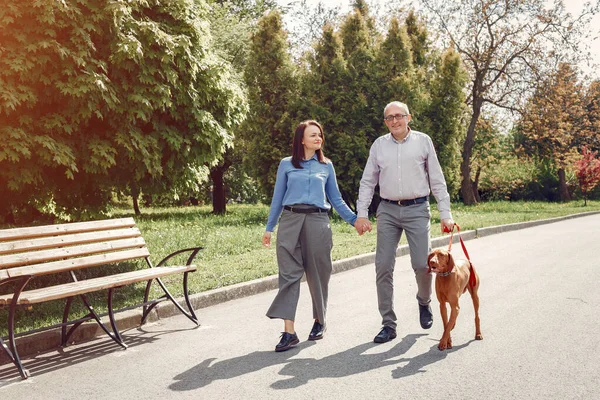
[(404, 203), (305, 210)]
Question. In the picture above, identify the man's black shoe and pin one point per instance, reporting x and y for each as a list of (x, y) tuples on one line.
[(288, 340), (425, 316), (317, 331), (385, 335)]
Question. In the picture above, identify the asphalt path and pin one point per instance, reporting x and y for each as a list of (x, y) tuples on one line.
[(540, 318)]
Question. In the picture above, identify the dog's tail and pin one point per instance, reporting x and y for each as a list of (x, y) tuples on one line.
[(472, 275)]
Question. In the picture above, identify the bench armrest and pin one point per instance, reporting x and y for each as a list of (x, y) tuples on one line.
[(193, 250)]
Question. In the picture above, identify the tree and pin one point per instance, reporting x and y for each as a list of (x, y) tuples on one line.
[(326, 97), (394, 72), (430, 83), (552, 122), (488, 149), (592, 110), (100, 97), (507, 47), (358, 122), (419, 39), (587, 170), (232, 21), (272, 86), (445, 114), (350, 81)]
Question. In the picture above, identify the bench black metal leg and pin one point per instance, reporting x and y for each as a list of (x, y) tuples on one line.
[(12, 351), (13, 344), (187, 298), (147, 308), (191, 314), (111, 316), (93, 314), (65, 335), (15, 359)]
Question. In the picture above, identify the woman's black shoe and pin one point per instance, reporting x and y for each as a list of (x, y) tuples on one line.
[(288, 340), (317, 331), (385, 335)]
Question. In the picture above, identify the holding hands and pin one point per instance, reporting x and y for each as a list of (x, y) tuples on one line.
[(362, 225)]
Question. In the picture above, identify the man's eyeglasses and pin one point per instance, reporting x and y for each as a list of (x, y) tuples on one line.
[(399, 117)]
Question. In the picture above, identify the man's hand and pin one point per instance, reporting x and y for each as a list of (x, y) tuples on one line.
[(362, 225), (447, 225), (266, 239)]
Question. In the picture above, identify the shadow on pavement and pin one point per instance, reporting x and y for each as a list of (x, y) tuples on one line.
[(62, 357), (204, 373), (350, 362), (302, 370)]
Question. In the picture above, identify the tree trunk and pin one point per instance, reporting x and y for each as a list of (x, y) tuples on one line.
[(466, 185), (218, 198), (563, 190), (135, 194), (476, 186)]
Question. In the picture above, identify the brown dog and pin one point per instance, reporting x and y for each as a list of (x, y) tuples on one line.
[(453, 279)]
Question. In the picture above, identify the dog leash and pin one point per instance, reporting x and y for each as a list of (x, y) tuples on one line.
[(461, 241), (472, 278)]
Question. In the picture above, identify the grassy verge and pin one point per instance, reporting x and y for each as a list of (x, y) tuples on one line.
[(233, 252)]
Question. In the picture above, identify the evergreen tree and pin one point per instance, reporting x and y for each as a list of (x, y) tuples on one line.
[(272, 86), (446, 113), (418, 36), (362, 124), (326, 97), (395, 75)]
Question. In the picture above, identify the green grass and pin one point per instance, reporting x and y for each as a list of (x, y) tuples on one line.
[(233, 252)]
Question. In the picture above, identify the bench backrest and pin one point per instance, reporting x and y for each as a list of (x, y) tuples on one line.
[(48, 249)]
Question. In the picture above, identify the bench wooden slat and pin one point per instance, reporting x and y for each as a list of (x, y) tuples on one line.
[(67, 240), (78, 263), (33, 257), (63, 229), (94, 284)]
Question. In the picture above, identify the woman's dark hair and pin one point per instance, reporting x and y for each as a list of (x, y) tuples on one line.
[(298, 147)]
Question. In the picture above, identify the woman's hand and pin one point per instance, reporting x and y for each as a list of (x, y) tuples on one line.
[(266, 239), (362, 225)]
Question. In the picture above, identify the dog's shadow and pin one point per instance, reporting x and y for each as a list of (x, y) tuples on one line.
[(416, 365)]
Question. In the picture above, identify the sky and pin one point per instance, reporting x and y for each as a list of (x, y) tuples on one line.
[(572, 6)]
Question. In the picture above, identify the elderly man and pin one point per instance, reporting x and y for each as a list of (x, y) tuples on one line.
[(405, 165)]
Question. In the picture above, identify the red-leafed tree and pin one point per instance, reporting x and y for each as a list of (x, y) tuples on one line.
[(587, 171)]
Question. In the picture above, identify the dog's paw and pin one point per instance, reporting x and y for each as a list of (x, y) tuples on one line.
[(445, 344), (479, 336)]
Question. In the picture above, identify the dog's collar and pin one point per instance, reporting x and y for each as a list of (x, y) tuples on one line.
[(442, 274)]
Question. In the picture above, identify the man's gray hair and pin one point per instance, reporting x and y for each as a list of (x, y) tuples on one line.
[(398, 104)]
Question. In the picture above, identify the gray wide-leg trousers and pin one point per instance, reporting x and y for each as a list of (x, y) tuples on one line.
[(304, 243), (392, 220)]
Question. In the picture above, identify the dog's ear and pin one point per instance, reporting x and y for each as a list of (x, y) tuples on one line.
[(429, 257), (450, 261)]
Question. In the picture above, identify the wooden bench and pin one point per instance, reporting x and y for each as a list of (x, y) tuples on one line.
[(27, 253)]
